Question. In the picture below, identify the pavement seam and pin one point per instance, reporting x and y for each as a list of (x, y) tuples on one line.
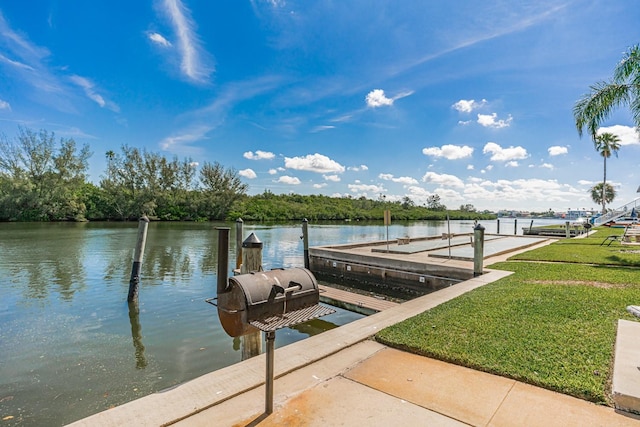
[(501, 403)]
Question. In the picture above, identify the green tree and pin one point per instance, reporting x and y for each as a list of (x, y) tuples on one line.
[(600, 191), (43, 179), (433, 203), (220, 189), (606, 143), (623, 89)]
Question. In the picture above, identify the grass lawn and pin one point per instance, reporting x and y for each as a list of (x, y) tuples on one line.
[(551, 324)]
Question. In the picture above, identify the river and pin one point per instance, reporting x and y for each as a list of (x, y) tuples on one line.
[(70, 347)]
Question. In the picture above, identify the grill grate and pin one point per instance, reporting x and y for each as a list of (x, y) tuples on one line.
[(293, 318)]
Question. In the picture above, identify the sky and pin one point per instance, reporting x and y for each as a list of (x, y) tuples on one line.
[(468, 100)]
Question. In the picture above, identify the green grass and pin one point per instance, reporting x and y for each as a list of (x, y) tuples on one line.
[(551, 324)]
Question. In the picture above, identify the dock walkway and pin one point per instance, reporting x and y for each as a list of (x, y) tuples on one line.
[(362, 304)]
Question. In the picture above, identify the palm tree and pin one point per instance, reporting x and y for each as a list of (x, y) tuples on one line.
[(606, 143), (624, 89), (597, 193)]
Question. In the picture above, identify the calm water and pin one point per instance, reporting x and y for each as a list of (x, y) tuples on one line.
[(70, 347)]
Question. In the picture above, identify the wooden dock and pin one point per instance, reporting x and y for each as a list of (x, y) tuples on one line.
[(358, 303)]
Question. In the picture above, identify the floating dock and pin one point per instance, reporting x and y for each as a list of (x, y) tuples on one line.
[(413, 266)]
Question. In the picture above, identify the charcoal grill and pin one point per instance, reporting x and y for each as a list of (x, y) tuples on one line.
[(265, 301)]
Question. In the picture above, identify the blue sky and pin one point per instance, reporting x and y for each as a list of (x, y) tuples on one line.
[(465, 99)]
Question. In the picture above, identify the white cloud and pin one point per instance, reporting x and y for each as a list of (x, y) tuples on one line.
[(489, 120), (546, 166), (499, 154), (194, 63), (291, 180), (272, 171), (376, 98), (321, 185), (470, 167), (88, 87), (628, 135), (159, 39), (366, 188), (512, 164), (467, 106), (358, 168), (442, 179), (333, 178), (557, 150), (314, 163), (449, 152), (4, 105), (405, 180), (248, 173), (258, 155)]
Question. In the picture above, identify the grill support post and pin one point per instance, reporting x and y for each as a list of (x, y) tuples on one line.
[(268, 398)]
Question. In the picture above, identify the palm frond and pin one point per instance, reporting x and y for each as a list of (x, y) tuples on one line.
[(594, 107), (628, 66)]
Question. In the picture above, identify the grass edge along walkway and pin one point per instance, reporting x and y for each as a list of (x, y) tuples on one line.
[(551, 324)]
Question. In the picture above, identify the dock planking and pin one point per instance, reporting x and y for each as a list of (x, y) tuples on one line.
[(363, 304)]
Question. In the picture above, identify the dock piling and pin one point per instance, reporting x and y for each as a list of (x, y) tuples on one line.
[(478, 250), (134, 281), (305, 242), (239, 231), (251, 261)]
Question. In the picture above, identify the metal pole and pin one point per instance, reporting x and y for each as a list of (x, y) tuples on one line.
[(449, 234), (305, 242), (567, 229), (239, 231), (268, 398), (478, 250), (498, 232), (143, 224), (515, 226)]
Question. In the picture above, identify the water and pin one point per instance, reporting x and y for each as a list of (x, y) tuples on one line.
[(71, 347)]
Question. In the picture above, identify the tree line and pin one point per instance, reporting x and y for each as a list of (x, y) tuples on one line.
[(42, 179)]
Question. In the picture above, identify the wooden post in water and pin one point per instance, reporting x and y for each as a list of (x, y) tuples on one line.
[(239, 231), (251, 262), (134, 281), (498, 220), (515, 226), (530, 226), (305, 242), (478, 249)]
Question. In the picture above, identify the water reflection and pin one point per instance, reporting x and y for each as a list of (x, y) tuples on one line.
[(136, 334)]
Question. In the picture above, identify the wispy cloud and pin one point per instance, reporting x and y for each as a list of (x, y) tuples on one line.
[(181, 142), (4, 105), (195, 62), (89, 89), (159, 39)]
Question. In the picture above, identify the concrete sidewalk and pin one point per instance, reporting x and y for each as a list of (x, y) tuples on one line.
[(369, 384)]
